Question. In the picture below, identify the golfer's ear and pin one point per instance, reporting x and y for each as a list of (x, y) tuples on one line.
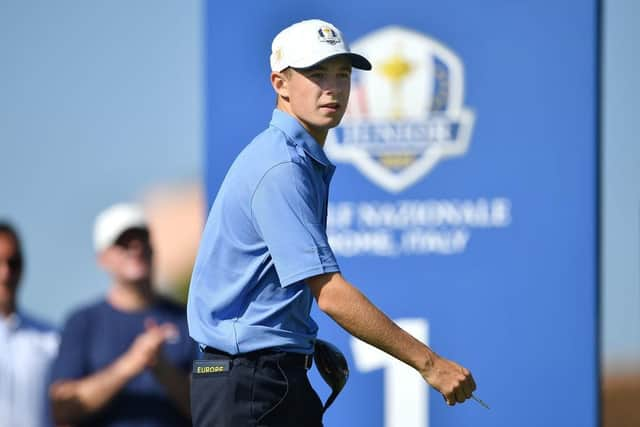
[(280, 84)]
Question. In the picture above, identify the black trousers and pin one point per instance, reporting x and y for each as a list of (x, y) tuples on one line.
[(262, 389)]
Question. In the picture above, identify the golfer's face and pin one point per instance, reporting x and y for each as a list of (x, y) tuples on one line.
[(318, 95)]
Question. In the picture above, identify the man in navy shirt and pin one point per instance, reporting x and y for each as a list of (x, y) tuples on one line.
[(264, 257), (124, 361)]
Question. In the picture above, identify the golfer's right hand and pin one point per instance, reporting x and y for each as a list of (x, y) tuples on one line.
[(453, 381)]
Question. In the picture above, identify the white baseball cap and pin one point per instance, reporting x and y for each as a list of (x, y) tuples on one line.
[(115, 220), (306, 43)]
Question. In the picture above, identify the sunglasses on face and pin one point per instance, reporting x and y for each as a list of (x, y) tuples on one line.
[(14, 262), (133, 235)]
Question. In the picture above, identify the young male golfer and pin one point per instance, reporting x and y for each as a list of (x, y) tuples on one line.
[(264, 257)]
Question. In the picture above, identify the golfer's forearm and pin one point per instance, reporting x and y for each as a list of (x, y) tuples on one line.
[(355, 313), (73, 400)]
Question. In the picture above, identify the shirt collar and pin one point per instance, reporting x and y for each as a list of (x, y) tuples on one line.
[(299, 135)]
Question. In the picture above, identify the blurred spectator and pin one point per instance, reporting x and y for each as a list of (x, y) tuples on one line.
[(27, 346), (124, 360)]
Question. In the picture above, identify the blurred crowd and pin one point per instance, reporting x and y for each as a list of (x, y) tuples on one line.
[(121, 359)]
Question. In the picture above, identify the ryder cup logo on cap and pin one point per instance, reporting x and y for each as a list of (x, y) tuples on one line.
[(328, 35), (406, 116), (307, 43), (112, 222)]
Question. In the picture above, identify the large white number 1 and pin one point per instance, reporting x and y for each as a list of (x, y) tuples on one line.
[(406, 398)]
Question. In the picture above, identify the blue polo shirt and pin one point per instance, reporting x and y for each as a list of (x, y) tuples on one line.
[(265, 234)]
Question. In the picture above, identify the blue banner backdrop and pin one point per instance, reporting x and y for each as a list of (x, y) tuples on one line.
[(464, 203)]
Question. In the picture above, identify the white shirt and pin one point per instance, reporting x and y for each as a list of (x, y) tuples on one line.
[(27, 348)]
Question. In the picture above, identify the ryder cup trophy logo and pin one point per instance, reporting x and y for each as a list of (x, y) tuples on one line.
[(405, 115)]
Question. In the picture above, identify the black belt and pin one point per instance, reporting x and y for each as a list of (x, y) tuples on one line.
[(293, 359)]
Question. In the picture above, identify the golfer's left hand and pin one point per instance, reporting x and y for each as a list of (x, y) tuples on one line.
[(453, 381)]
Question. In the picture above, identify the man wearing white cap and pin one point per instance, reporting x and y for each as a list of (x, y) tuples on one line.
[(264, 257), (124, 360)]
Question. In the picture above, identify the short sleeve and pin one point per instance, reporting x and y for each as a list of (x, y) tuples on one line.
[(288, 216), (71, 361)]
